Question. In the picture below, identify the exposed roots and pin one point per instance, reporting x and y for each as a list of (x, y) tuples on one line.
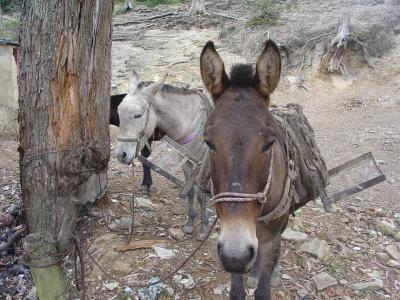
[(334, 59)]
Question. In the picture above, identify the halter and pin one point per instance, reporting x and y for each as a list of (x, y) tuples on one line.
[(243, 197)]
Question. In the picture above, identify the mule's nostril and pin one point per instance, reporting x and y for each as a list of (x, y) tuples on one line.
[(252, 252), (123, 155), (219, 246)]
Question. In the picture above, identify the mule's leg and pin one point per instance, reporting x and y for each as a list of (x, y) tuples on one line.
[(201, 197), (269, 247), (237, 289), (187, 171), (252, 279), (147, 181)]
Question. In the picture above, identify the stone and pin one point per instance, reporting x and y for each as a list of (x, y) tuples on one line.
[(387, 228), (393, 251), (292, 235), (383, 256), (275, 278), (164, 253), (214, 236), (169, 291), (317, 248), (219, 289), (302, 293), (393, 263), (111, 286), (324, 280), (121, 267), (141, 202), (176, 233), (374, 274), (187, 281), (345, 252), (343, 281), (125, 223), (370, 285)]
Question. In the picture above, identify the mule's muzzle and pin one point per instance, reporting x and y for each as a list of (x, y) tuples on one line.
[(237, 261)]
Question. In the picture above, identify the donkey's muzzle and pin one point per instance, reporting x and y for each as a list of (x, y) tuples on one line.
[(238, 260)]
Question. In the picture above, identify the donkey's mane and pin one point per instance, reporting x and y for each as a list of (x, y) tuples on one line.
[(166, 88), (242, 75)]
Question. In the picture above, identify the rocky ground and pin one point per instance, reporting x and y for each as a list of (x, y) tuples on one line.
[(351, 253)]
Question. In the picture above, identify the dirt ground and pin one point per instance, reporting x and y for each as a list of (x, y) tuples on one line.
[(350, 117)]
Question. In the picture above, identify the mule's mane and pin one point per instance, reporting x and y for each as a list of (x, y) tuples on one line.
[(166, 88), (242, 75)]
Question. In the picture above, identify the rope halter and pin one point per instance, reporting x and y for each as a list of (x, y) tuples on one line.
[(261, 197)]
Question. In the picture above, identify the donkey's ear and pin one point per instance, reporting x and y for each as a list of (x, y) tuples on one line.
[(133, 83), (268, 68), (155, 87), (213, 71)]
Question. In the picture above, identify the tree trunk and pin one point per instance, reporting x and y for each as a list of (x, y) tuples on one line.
[(64, 89), (197, 7)]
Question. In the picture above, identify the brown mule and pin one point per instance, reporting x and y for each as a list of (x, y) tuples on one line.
[(248, 166)]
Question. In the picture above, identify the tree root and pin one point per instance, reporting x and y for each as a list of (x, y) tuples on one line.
[(334, 59)]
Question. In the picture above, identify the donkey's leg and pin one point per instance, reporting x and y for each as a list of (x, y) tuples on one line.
[(187, 171), (269, 247), (201, 197), (147, 181), (237, 289)]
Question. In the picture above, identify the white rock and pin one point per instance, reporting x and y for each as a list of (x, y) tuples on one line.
[(393, 252), (188, 281), (393, 263), (141, 202), (164, 253), (295, 236), (317, 248), (111, 286), (219, 289), (370, 285), (176, 233), (374, 274), (323, 280)]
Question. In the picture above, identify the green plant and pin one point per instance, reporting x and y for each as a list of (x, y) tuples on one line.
[(10, 6), (10, 29), (266, 13)]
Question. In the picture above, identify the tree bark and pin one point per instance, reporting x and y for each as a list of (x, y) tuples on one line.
[(64, 90), (197, 7)]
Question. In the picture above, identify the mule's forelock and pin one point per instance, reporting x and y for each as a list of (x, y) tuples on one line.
[(242, 75)]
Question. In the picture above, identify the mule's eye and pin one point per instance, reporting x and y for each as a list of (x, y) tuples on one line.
[(267, 146), (210, 145), (137, 116)]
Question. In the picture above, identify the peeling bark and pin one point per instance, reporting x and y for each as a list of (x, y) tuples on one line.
[(64, 89)]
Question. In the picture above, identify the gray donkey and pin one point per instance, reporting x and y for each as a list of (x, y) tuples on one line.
[(180, 114)]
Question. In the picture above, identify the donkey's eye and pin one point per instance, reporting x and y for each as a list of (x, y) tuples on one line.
[(137, 116), (210, 145), (267, 146)]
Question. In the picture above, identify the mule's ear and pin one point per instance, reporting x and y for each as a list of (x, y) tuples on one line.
[(268, 68), (133, 83), (213, 71)]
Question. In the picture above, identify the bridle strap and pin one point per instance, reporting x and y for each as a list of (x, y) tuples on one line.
[(243, 197)]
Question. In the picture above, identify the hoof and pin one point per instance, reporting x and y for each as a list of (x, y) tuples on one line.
[(252, 282), (201, 236), (188, 229), (145, 189)]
